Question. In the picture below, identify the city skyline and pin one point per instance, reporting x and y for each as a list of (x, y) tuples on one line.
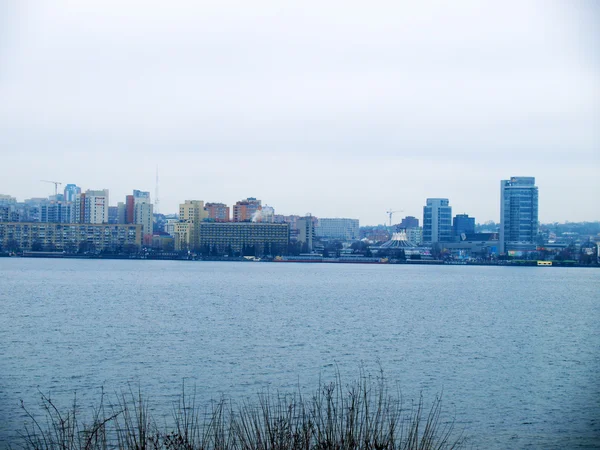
[(339, 110), (399, 215)]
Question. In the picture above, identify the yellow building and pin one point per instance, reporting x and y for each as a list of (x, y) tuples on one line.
[(181, 234), (193, 213), (192, 210)]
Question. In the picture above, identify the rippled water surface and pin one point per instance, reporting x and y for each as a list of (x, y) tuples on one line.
[(516, 351)]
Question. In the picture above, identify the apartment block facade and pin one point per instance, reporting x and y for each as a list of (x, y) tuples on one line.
[(244, 210), (237, 235), (219, 212), (338, 228), (95, 206), (68, 237)]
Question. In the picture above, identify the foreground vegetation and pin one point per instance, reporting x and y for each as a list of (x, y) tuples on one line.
[(362, 415)]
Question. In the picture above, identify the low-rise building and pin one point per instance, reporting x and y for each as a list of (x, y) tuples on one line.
[(237, 235), (480, 245), (462, 224), (69, 237), (415, 235)]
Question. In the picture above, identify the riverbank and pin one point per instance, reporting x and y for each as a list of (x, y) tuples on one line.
[(174, 256)]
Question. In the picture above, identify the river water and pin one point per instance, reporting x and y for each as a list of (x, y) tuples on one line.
[(515, 350)]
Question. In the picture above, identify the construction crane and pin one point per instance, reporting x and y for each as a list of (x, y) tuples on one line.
[(55, 183), (391, 213)]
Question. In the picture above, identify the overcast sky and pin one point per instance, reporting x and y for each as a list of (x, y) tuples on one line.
[(337, 108)]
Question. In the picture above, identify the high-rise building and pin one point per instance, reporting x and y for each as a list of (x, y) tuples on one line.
[(463, 224), (219, 212), (58, 212), (121, 213), (113, 214), (96, 206), (129, 208), (265, 215), (437, 221), (7, 200), (193, 213), (192, 210), (244, 210), (72, 193), (306, 231), (518, 214), (143, 213)]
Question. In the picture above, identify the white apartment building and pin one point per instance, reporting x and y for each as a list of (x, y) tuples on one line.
[(96, 206), (343, 229)]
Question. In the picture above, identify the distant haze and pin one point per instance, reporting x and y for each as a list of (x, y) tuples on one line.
[(337, 108)]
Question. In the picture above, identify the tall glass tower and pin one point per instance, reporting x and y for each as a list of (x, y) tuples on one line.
[(518, 214), (437, 221), (71, 192)]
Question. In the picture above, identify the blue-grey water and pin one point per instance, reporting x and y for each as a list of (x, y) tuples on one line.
[(515, 351)]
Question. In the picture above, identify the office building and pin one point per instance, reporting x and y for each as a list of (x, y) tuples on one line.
[(462, 225), (437, 221), (518, 215)]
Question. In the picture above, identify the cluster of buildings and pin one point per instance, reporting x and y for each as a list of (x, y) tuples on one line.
[(517, 233), (79, 220)]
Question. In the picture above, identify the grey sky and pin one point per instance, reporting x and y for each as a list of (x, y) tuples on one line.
[(338, 108)]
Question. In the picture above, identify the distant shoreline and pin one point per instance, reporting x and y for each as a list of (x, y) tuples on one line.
[(510, 263)]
